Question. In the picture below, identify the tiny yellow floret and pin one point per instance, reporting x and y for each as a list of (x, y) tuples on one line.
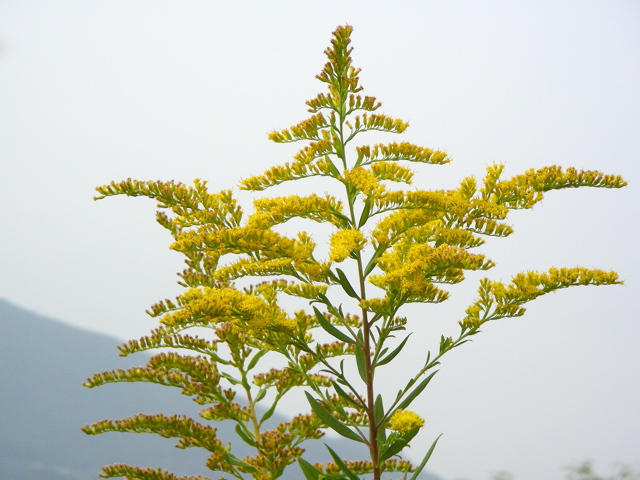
[(403, 421)]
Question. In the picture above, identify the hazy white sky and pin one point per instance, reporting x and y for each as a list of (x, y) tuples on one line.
[(94, 91)]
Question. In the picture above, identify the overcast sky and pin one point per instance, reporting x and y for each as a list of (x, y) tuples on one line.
[(94, 91)]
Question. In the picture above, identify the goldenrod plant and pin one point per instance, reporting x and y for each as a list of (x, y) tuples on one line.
[(389, 247)]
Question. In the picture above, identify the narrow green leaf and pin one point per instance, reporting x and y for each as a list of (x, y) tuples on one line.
[(341, 216), (324, 323), (425, 460), (415, 392), (392, 449), (365, 212), (426, 362), (344, 281), (362, 369), (235, 461), (260, 395), (331, 421), (232, 380), (267, 415), (352, 193), (310, 472), (378, 413), (378, 409), (302, 345), (244, 436), (333, 169), (393, 354), (398, 445), (342, 372), (341, 464), (333, 278), (399, 394), (373, 261), (256, 357), (346, 396)]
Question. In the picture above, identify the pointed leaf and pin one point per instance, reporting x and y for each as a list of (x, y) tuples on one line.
[(378, 409), (365, 212), (331, 421), (393, 354), (398, 445), (392, 449), (324, 323), (341, 464), (378, 412), (416, 391), (232, 380), (235, 461), (245, 438), (256, 357), (372, 262), (310, 472), (267, 415), (333, 169), (424, 460), (360, 361), (346, 396), (261, 394), (344, 281)]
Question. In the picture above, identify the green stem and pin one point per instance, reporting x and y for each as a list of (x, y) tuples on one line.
[(250, 402), (369, 370), (366, 325)]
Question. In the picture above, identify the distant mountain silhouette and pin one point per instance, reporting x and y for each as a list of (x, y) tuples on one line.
[(43, 404)]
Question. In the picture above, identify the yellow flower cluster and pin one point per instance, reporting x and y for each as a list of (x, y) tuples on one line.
[(272, 211), (412, 268), (391, 171), (524, 191), (403, 421), (401, 151), (365, 181), (311, 161), (380, 122), (506, 300), (206, 306), (344, 242), (306, 130)]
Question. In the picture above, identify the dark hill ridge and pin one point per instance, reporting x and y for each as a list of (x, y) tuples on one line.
[(43, 404)]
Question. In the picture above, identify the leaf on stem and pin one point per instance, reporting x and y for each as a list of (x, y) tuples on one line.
[(331, 421), (256, 357), (341, 464), (324, 323), (365, 212), (346, 396), (425, 460), (245, 436), (360, 361), (394, 448), (378, 413), (393, 354), (344, 281), (267, 415), (310, 472), (415, 392), (373, 261)]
